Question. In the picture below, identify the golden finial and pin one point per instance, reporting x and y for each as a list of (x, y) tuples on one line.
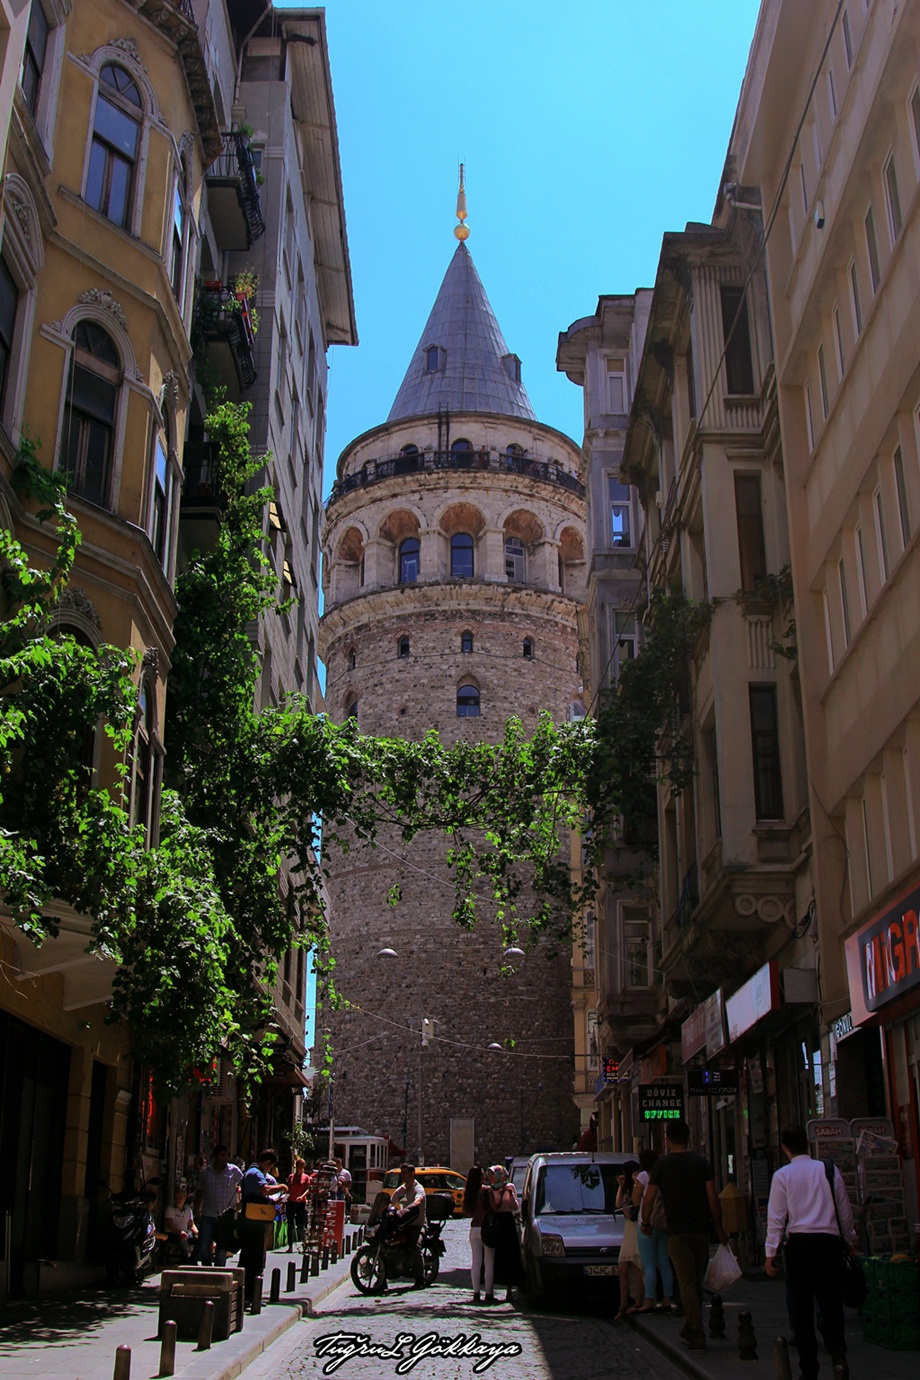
[(461, 231)]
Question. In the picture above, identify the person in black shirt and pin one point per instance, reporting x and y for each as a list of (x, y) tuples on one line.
[(685, 1182)]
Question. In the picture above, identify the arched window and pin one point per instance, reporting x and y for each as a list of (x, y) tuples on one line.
[(163, 503), (110, 180), (409, 449), (9, 309), (351, 710), (180, 233), (528, 648), (461, 555), (404, 646), (408, 560), (514, 450), (460, 446), (466, 642), (514, 560), (467, 702), (87, 441), (352, 659)]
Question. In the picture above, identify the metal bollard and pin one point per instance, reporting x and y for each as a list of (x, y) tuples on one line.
[(782, 1370), (716, 1317), (325, 1257), (122, 1363), (747, 1342), (335, 1252), (168, 1350), (347, 1250), (275, 1292), (256, 1305), (291, 1277), (206, 1326), (314, 1265), (304, 1268)]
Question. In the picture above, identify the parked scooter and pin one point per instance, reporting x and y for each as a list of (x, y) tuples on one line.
[(131, 1237), (387, 1255)]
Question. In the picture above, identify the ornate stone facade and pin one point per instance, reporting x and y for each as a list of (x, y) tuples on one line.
[(454, 569)]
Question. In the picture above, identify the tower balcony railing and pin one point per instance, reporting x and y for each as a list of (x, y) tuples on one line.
[(433, 461), (233, 192)]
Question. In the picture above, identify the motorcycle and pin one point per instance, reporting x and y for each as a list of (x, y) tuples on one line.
[(131, 1238), (387, 1255)]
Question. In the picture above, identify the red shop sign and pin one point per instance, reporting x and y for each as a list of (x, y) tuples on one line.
[(883, 958)]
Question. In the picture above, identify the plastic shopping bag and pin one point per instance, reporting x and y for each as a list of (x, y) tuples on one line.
[(722, 1271)]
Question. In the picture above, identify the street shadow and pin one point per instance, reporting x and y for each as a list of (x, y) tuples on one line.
[(63, 1318)]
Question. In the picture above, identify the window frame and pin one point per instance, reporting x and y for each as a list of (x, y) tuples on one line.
[(469, 701), (892, 198), (515, 560), (881, 535), (855, 303), (404, 556), (839, 348), (116, 382), (752, 546), (875, 263), (110, 95), (147, 746), (619, 505), (466, 637), (8, 333), (738, 341), (822, 381), (163, 500), (33, 100), (766, 809), (463, 550), (902, 502), (403, 648), (862, 587), (845, 621), (624, 641)]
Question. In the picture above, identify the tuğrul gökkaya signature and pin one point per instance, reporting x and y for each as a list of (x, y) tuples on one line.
[(408, 1350)]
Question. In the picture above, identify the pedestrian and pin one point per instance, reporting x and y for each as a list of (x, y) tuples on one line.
[(180, 1231), (259, 1188), (803, 1203), (298, 1186), (653, 1241), (629, 1262), (408, 1198), (217, 1193), (505, 1210), (343, 1181), (475, 1207), (686, 1183)]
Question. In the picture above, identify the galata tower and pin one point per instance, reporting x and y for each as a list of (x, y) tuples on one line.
[(454, 574)]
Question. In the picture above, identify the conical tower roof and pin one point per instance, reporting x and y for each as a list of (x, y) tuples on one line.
[(472, 369)]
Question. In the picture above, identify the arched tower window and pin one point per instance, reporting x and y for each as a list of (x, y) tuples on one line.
[(351, 710), (111, 177), (403, 646), (408, 450), (466, 642), (468, 702), (461, 555), (352, 659), (409, 560), (528, 648), (460, 446), (87, 442), (515, 567)]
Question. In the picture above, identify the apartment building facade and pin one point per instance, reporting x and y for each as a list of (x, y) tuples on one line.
[(828, 128)]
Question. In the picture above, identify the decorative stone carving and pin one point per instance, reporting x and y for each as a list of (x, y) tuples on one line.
[(151, 660), (101, 297), (170, 390), (78, 601), (130, 49)]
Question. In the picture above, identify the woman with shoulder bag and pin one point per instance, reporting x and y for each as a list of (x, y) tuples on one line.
[(476, 1208), (257, 1218), (629, 1248), (653, 1242), (505, 1209)]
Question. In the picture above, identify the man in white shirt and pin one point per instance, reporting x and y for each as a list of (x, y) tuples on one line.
[(803, 1205), (408, 1195)]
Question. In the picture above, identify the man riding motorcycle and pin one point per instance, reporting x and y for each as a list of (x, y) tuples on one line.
[(409, 1196)]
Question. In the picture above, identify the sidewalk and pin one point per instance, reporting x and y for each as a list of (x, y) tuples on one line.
[(765, 1300), (75, 1336)]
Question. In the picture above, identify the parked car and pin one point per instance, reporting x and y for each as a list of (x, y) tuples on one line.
[(434, 1179), (517, 1168), (571, 1230)]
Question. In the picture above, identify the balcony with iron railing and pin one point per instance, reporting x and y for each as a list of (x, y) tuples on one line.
[(234, 201), (223, 326), (434, 461)]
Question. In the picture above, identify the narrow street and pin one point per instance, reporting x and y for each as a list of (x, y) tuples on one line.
[(356, 1336)]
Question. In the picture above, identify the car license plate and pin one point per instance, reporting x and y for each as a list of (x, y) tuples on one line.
[(600, 1269)]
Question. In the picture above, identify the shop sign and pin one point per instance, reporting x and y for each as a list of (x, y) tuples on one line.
[(883, 958), (756, 999), (661, 1101), (712, 1082), (828, 1128), (693, 1034), (842, 1027), (611, 1068), (874, 1125), (715, 1024)]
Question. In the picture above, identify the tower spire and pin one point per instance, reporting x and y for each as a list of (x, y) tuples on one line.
[(462, 231)]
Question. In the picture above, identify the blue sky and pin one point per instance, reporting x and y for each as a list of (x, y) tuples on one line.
[(588, 129)]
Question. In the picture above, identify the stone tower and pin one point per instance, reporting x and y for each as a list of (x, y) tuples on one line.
[(454, 572)]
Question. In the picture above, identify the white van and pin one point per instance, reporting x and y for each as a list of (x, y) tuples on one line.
[(571, 1230)]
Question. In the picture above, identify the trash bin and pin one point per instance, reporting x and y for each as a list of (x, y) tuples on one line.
[(183, 1294)]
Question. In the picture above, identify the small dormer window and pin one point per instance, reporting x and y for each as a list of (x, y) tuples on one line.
[(512, 367), (434, 359)]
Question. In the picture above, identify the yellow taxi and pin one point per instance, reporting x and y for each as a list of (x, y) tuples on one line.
[(434, 1179)]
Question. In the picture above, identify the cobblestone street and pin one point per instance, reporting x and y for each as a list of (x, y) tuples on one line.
[(544, 1345)]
